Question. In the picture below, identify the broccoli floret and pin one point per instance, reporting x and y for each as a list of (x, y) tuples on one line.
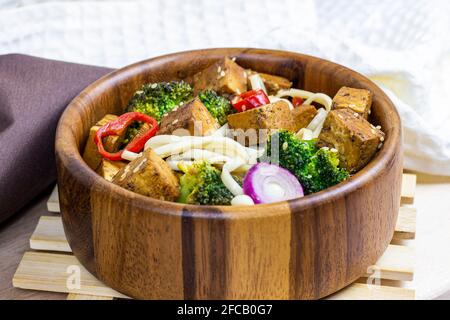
[(219, 107), (157, 99), (291, 152), (316, 169), (322, 171), (201, 184)]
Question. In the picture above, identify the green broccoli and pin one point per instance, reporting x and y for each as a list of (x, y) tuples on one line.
[(316, 169), (322, 171), (201, 184), (155, 100), (219, 107), (291, 152)]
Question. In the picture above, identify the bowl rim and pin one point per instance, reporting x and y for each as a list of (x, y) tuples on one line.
[(68, 153)]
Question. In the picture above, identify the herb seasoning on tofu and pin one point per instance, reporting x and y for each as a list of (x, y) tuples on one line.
[(234, 136)]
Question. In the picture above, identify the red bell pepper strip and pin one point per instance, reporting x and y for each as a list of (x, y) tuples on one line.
[(250, 100), (297, 101), (118, 127)]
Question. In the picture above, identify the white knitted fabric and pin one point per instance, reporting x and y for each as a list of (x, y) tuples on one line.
[(403, 45)]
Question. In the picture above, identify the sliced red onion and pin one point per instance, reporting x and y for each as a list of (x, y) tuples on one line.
[(268, 183)]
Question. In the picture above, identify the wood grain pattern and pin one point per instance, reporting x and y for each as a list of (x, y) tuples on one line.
[(75, 296), (53, 201), (359, 291), (406, 224), (49, 235), (48, 272), (396, 263), (408, 192), (302, 249)]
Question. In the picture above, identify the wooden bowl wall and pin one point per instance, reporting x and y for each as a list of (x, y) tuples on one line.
[(306, 248)]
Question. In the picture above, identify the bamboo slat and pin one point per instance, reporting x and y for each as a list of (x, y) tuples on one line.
[(49, 235), (51, 272), (360, 291), (53, 201), (76, 296), (58, 273), (408, 188)]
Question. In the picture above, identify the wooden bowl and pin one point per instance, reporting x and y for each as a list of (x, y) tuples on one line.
[(306, 248)]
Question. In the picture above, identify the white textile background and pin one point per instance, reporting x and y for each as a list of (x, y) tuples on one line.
[(403, 45)]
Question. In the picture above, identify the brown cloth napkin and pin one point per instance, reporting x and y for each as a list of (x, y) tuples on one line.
[(33, 94)]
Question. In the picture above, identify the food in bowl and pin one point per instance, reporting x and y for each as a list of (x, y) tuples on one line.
[(233, 136)]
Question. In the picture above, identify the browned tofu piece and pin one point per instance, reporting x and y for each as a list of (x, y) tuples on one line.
[(273, 83), (192, 118), (302, 116), (224, 76), (273, 116), (353, 136), (358, 100), (253, 126), (108, 169), (150, 176), (111, 143)]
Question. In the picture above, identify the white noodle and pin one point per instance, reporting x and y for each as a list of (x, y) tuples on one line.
[(315, 122), (130, 156), (204, 155), (222, 131), (274, 99), (310, 97), (231, 148), (183, 145), (158, 141), (257, 83), (174, 164), (228, 180), (305, 134), (242, 200)]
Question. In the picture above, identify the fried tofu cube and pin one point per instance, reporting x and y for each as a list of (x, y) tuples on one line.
[(224, 76), (257, 123), (111, 143), (149, 175), (269, 116), (192, 118), (358, 100), (108, 169), (273, 83), (273, 116), (302, 117), (354, 137)]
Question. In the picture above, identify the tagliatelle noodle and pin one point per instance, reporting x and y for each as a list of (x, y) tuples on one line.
[(130, 156), (222, 131), (305, 134), (203, 155), (228, 180), (173, 164), (310, 97), (317, 123), (186, 143), (242, 200), (274, 99), (158, 141)]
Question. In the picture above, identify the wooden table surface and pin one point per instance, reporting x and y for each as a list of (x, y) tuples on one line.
[(15, 234)]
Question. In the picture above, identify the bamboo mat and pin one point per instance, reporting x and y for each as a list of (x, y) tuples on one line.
[(50, 264)]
